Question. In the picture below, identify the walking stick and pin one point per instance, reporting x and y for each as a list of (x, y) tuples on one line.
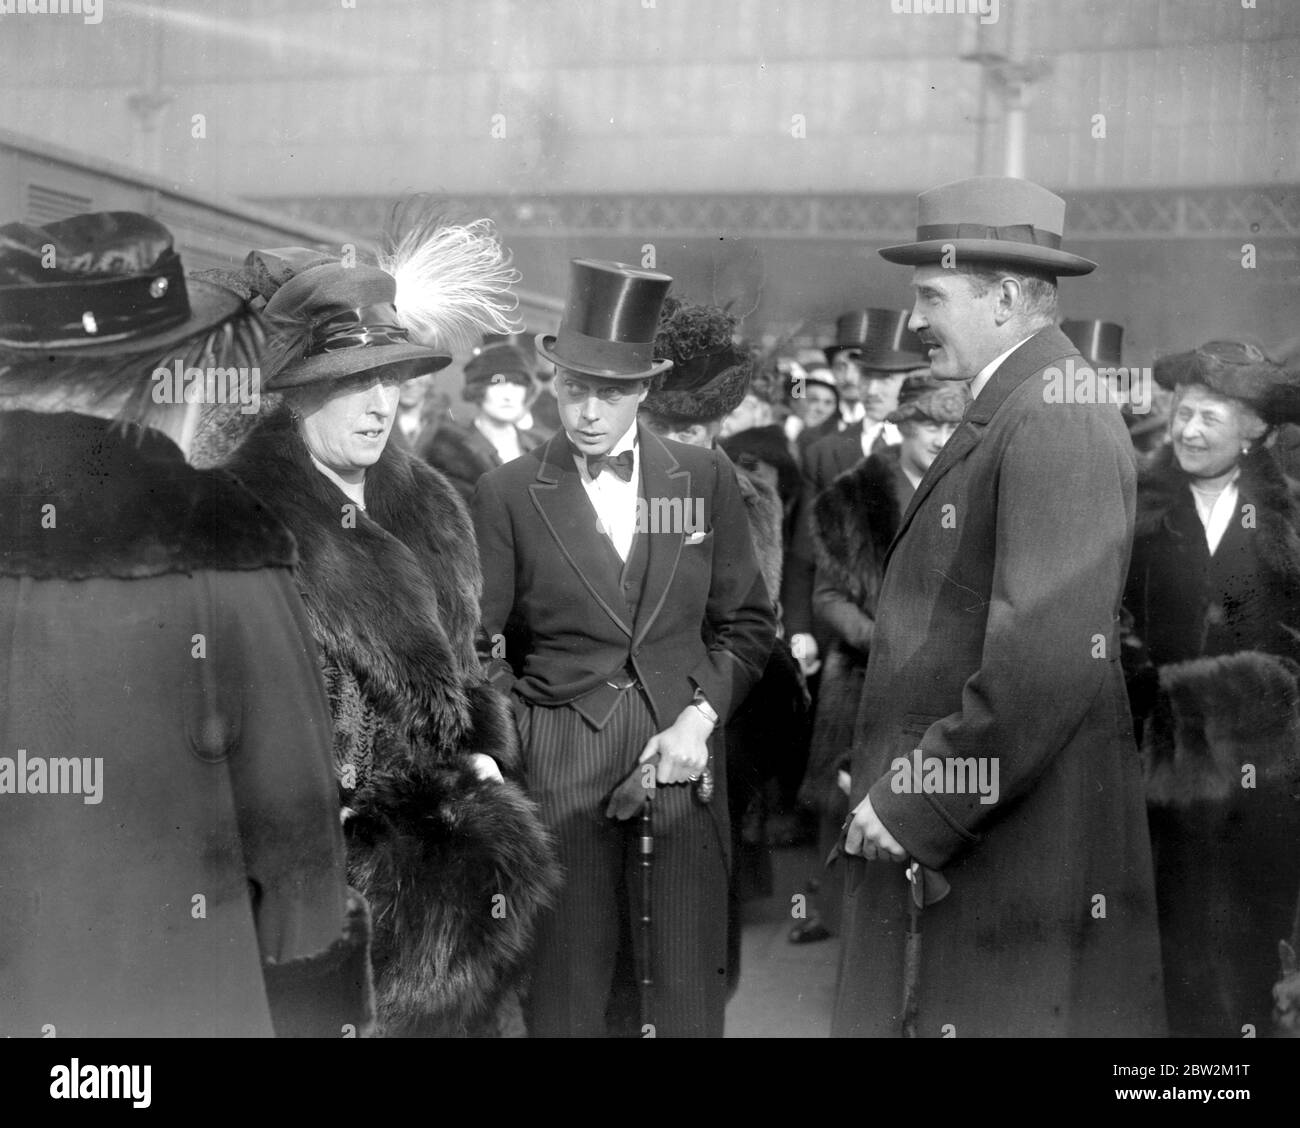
[(645, 970), (925, 887)]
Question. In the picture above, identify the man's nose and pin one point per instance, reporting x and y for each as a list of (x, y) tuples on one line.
[(591, 407), (916, 321)]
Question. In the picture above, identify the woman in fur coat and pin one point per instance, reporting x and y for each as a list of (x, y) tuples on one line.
[(854, 521), (1214, 600), (448, 850)]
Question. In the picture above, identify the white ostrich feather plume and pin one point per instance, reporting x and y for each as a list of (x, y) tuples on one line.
[(453, 281)]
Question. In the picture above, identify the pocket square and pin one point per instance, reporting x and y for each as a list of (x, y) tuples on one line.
[(695, 538)]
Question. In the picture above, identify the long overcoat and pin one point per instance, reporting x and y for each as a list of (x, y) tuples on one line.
[(997, 642), (171, 861)]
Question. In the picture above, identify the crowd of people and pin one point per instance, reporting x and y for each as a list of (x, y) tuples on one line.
[(415, 727)]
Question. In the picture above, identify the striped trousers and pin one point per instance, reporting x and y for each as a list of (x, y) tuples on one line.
[(571, 771)]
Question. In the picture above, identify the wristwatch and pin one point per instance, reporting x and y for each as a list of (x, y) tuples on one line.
[(702, 704)]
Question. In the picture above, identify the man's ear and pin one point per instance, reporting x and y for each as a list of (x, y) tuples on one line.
[(1008, 299)]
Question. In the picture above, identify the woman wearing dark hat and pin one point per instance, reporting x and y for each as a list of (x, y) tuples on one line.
[(1214, 597), (854, 521), (497, 379), (452, 859), (170, 846)]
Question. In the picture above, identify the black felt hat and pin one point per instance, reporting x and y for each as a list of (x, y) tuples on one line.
[(102, 284), (710, 371), (1239, 370)]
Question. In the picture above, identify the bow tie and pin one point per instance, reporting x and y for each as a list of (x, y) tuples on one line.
[(620, 464)]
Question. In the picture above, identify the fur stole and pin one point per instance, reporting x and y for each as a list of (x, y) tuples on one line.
[(461, 453), (392, 593), (1163, 487), (854, 521)]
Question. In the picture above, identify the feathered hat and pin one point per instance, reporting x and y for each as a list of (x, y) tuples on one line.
[(935, 401), (710, 372), (436, 288)]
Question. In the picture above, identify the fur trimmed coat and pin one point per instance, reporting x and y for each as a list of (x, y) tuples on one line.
[(455, 868), (1212, 662), (853, 522), (150, 625)]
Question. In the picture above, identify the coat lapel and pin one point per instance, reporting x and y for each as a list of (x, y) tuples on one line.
[(661, 478), (1043, 348), (569, 516)]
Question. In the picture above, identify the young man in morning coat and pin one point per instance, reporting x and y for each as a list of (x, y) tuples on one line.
[(997, 643), (636, 641)]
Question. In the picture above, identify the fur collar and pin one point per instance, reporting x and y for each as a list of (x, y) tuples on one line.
[(462, 453), (124, 504), (393, 600), (854, 522), (1162, 490)]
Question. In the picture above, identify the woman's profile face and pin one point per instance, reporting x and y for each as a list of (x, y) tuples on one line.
[(346, 427), (1209, 431)]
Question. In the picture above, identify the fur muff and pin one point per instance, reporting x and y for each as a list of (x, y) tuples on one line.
[(392, 593), (1213, 716)]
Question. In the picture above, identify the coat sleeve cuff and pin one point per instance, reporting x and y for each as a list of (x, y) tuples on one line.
[(922, 827), (329, 994)]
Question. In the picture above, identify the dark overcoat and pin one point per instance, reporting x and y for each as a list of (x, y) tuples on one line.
[(997, 640), (1216, 687), (149, 621), (464, 454)]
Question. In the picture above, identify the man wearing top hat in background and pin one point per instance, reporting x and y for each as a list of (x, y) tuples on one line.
[(595, 619), (997, 651), (874, 352)]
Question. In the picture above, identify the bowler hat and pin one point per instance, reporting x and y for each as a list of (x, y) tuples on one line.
[(881, 339), (1098, 341), (328, 321), (101, 284), (609, 322), (995, 219)]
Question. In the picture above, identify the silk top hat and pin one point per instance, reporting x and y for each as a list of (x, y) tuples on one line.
[(102, 284), (328, 322), (609, 322), (1098, 341), (710, 371), (881, 339), (1238, 370), (995, 219)]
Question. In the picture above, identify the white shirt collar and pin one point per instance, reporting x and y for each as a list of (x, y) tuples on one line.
[(986, 373)]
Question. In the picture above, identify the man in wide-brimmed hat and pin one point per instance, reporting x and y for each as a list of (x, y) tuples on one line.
[(624, 611), (994, 666), (170, 843)]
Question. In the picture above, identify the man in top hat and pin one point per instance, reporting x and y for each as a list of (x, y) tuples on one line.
[(609, 556), (993, 745), (876, 351)]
